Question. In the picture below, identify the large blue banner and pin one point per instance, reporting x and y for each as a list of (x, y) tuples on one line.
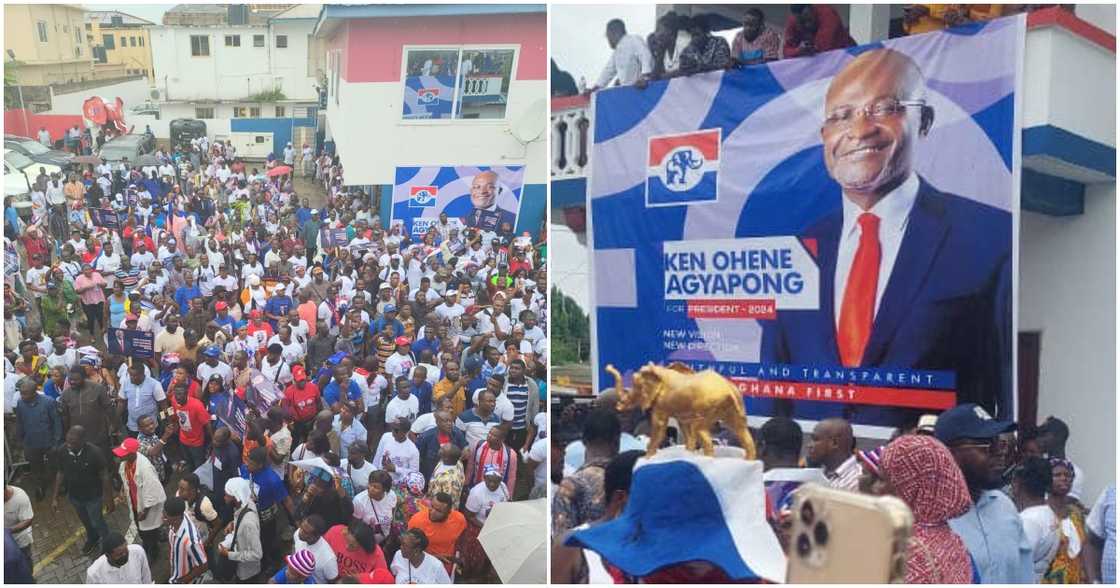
[(429, 97), (833, 233), (486, 197)]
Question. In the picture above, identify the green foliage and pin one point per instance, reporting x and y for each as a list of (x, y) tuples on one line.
[(268, 96), (571, 330)]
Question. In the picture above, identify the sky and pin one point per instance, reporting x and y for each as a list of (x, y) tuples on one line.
[(579, 42)]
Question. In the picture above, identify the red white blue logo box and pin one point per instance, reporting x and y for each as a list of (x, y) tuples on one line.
[(683, 168)]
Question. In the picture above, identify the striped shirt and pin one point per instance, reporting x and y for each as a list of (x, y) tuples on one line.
[(846, 476), (128, 278), (187, 551), (518, 395)]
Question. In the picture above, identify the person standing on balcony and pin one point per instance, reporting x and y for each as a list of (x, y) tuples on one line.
[(631, 60), (757, 42), (812, 29)]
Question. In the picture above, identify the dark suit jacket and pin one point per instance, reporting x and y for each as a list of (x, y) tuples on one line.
[(428, 444), (490, 220), (947, 307)]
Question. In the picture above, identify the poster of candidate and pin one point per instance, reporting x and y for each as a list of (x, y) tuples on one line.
[(130, 343), (834, 233), (486, 197)]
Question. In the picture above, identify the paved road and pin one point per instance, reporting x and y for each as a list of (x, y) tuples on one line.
[(59, 534)]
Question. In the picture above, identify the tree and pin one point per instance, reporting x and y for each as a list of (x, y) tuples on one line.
[(571, 330)]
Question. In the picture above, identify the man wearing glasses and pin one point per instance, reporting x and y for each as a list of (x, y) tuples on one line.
[(911, 277), (992, 529)]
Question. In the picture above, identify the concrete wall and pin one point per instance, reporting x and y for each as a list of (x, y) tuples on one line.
[(64, 56), (232, 73), (1067, 290), (133, 92)]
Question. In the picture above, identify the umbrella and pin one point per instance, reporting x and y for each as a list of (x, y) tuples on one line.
[(280, 170), (146, 160), (86, 159), (312, 464), (514, 538)]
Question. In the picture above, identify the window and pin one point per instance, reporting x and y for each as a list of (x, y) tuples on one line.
[(77, 35), (281, 41), (109, 41), (132, 41), (463, 83), (204, 112), (41, 27), (233, 40), (239, 112), (258, 40), (116, 20), (141, 39), (200, 45), (254, 112), (89, 27), (124, 41), (280, 112), (77, 51)]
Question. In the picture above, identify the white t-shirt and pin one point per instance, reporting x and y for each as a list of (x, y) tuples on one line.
[(371, 393), (539, 453), (398, 365), (482, 499), (359, 475), (142, 260), (280, 372), (136, 571), (376, 512), (445, 312), (430, 571), (17, 510), (326, 563), (404, 455), (424, 422), (222, 369), (397, 408), (1040, 527)]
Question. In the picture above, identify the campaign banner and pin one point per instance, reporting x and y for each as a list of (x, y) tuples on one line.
[(832, 233), (429, 97), (106, 217), (478, 196), (333, 237), (130, 343)]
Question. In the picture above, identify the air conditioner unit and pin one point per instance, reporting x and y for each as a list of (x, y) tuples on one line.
[(155, 93)]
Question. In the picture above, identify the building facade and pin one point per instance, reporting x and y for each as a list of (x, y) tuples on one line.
[(120, 41), (374, 127), (46, 44)]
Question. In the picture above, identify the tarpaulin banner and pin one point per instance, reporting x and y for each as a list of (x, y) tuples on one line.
[(480, 196), (833, 233)]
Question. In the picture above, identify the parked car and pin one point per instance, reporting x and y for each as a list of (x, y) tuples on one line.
[(17, 161), (131, 146), (147, 108), (36, 151)]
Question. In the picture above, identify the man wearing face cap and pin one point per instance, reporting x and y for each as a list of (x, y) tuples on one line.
[(911, 277), (120, 564), (142, 493)]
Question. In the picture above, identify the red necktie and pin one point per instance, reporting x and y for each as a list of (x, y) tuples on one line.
[(858, 308)]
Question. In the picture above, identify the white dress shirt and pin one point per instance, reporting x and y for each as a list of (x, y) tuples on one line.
[(893, 211), (631, 60)]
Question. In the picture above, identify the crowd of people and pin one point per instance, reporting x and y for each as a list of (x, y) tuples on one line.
[(684, 45), (992, 502), (274, 390)]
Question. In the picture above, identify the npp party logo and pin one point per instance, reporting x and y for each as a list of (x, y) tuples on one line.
[(683, 168), (427, 95), (422, 196)]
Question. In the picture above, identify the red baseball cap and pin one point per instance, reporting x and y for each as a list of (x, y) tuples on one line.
[(221, 305), (127, 447), (402, 340), (298, 373)]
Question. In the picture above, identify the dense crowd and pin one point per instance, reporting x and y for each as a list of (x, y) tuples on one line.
[(188, 338), (992, 502)]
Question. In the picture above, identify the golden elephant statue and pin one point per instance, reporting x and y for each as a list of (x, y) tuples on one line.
[(696, 400)]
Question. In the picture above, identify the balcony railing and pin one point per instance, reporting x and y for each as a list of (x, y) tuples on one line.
[(571, 137)]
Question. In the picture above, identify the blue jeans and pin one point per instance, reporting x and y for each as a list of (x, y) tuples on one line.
[(89, 511)]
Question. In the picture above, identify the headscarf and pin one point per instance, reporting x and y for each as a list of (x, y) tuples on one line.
[(925, 476), (243, 491), (302, 561)]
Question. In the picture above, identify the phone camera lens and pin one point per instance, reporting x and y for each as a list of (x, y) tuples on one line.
[(820, 533), (807, 514), (804, 545)]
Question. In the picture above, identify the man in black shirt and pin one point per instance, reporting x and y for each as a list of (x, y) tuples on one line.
[(86, 472)]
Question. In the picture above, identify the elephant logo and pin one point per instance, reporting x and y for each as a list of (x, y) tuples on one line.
[(679, 168), (683, 168), (427, 95), (422, 196)]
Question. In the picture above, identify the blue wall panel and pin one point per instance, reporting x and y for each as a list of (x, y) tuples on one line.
[(281, 129)]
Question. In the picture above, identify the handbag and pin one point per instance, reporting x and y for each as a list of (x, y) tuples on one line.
[(223, 567)]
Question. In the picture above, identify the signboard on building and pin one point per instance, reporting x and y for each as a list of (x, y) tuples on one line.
[(480, 196), (834, 234)]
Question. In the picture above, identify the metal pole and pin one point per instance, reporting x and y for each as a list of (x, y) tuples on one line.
[(23, 107)]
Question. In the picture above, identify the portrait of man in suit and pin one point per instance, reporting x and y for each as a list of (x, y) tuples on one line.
[(487, 215), (911, 277)]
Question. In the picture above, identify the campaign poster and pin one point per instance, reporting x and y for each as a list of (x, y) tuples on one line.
[(333, 237), (486, 197), (130, 343), (832, 233), (105, 217)]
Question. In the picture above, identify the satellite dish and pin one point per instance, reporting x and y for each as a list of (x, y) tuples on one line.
[(530, 125)]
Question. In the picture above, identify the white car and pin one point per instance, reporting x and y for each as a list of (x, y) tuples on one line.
[(16, 161)]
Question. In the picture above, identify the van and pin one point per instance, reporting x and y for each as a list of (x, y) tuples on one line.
[(183, 130), (130, 146)]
